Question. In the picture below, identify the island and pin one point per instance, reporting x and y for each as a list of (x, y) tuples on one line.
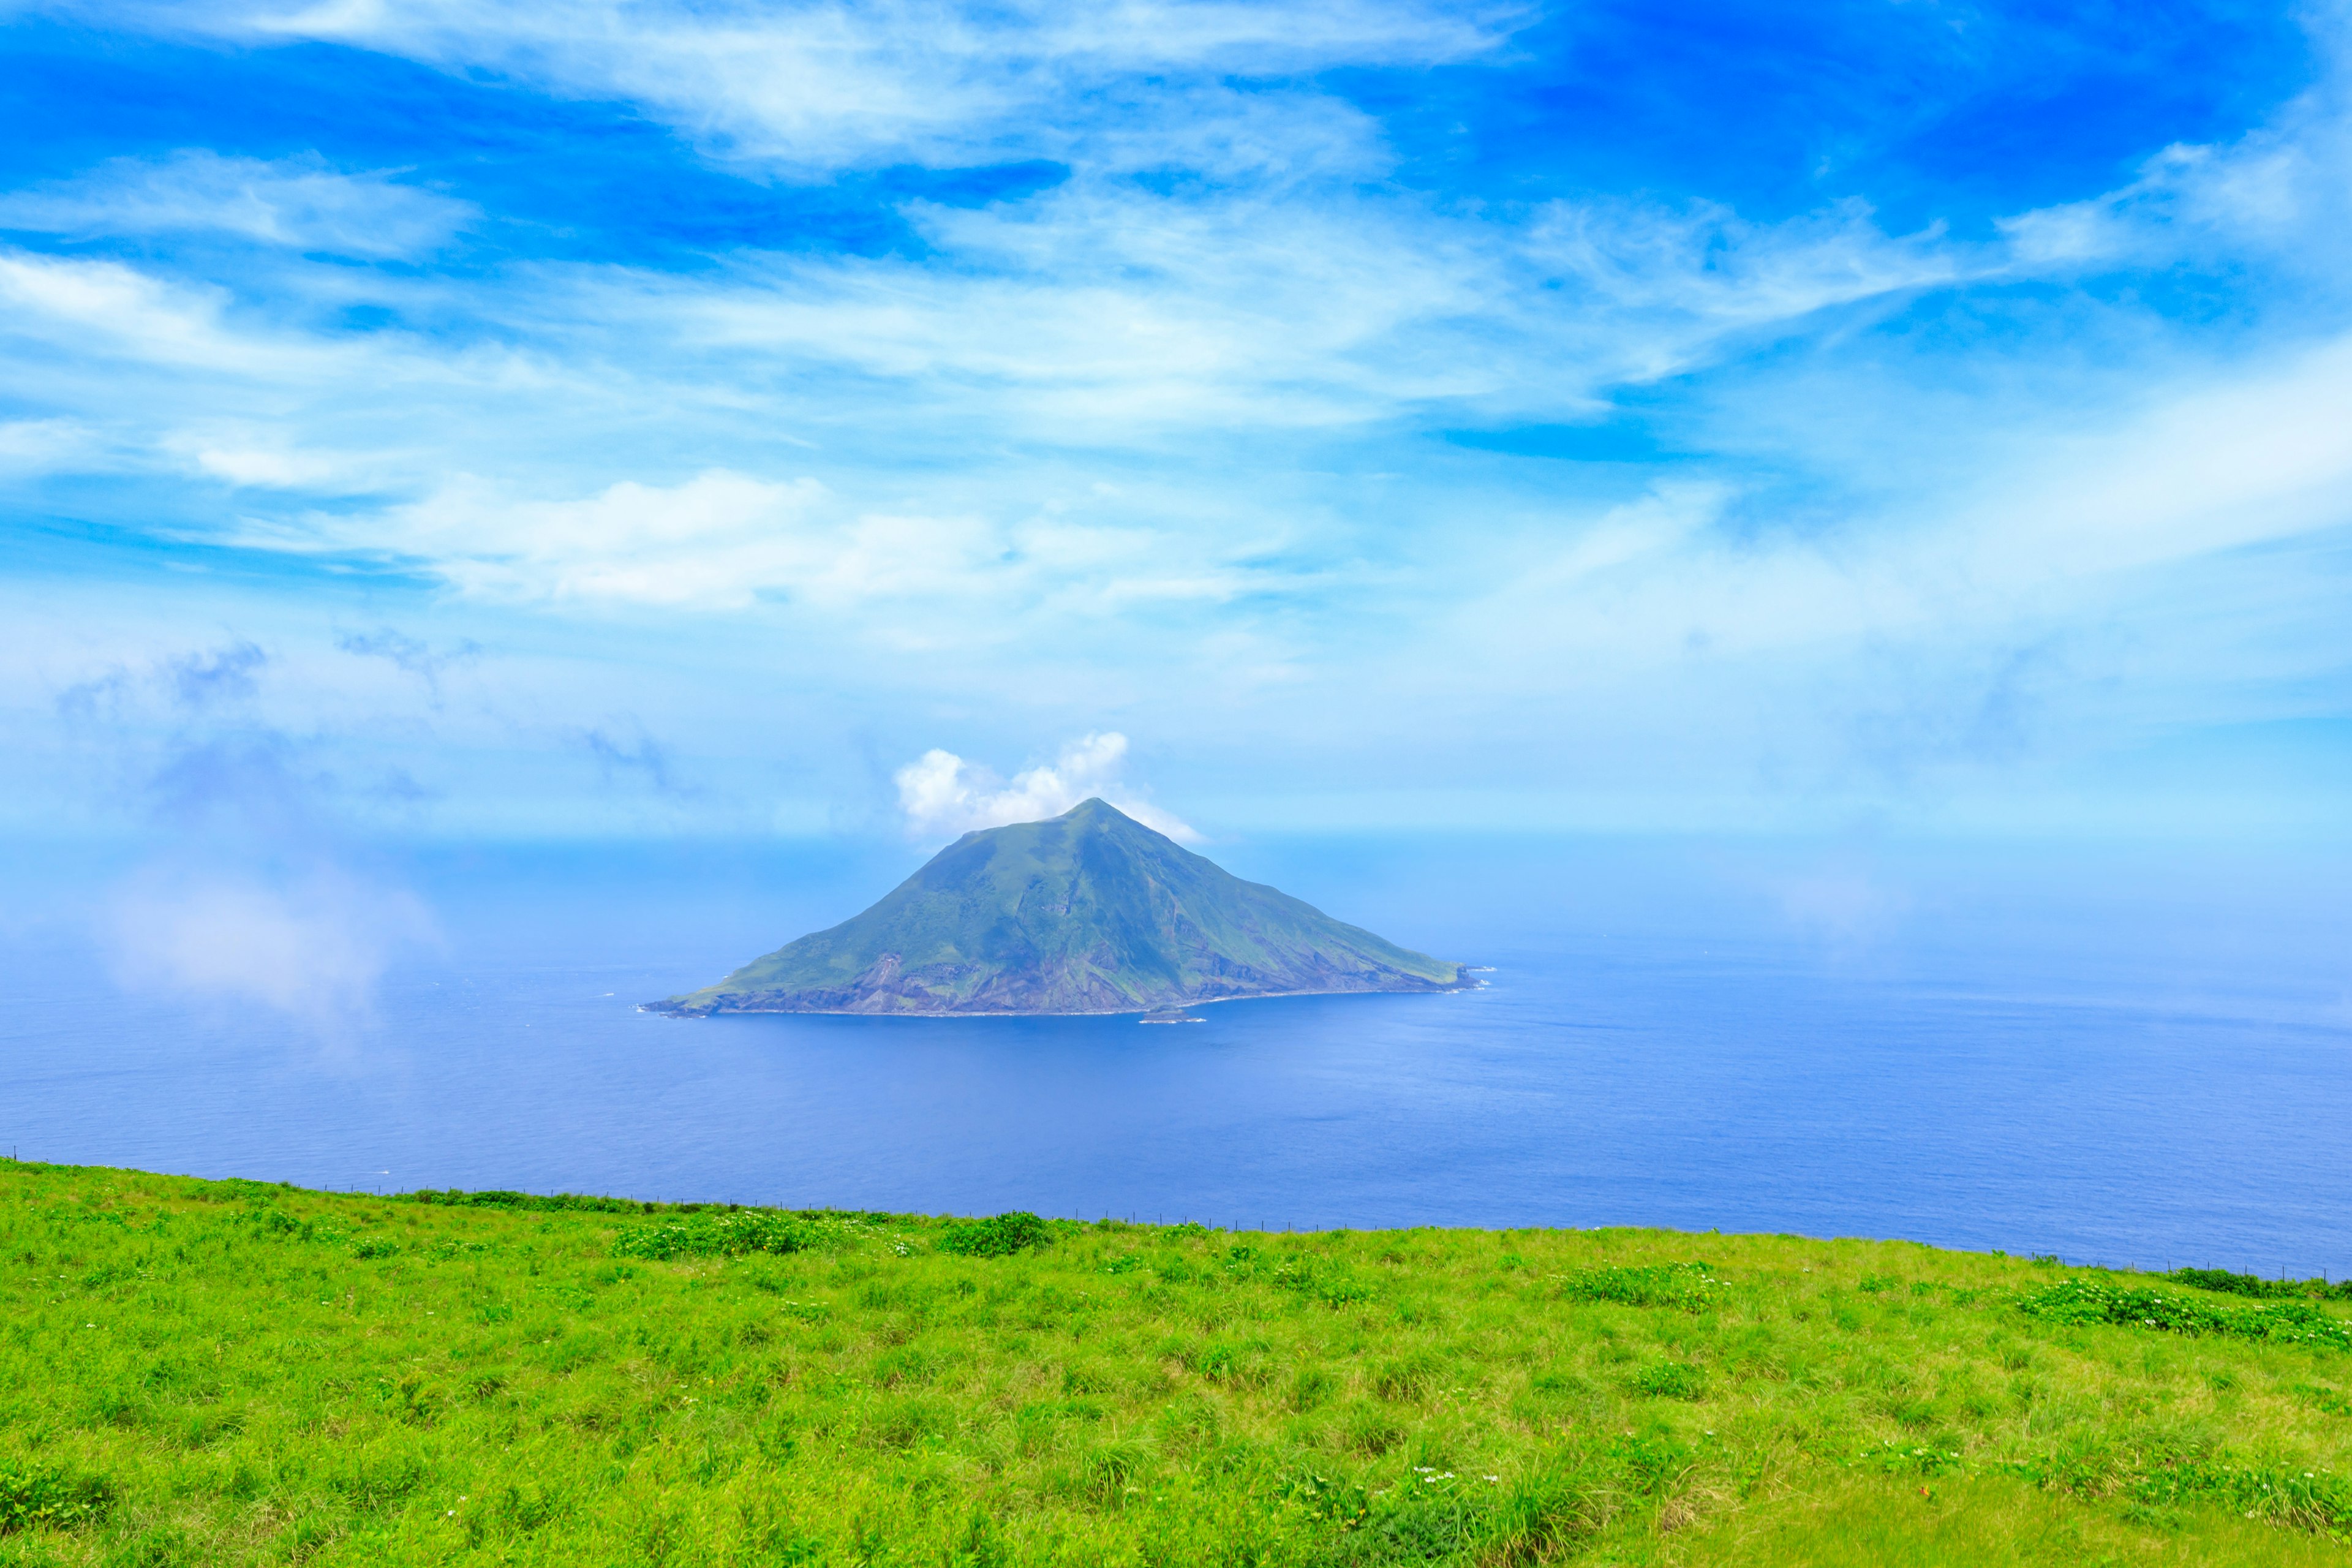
[(1090, 912)]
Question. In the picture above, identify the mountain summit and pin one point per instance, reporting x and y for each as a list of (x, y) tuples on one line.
[(1089, 913)]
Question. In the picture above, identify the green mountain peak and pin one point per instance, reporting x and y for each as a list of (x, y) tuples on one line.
[(1090, 911)]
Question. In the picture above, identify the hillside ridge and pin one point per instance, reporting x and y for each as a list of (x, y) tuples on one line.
[(251, 1374)]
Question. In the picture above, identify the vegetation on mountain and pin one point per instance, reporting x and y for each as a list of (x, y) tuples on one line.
[(235, 1373), (1089, 913)]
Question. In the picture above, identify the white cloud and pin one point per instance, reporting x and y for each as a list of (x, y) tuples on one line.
[(1647, 291), (1164, 447), (728, 541), (822, 85), (298, 203), (2186, 196), (108, 309), (720, 540), (1102, 316), (311, 946), (944, 797), (49, 446), (249, 456), (1845, 909), (2051, 525)]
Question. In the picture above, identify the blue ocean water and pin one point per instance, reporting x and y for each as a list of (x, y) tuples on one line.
[(2123, 1061)]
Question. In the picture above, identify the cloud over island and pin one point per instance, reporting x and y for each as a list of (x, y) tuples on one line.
[(944, 797)]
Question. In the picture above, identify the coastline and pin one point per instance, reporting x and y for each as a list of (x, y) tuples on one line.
[(1463, 983)]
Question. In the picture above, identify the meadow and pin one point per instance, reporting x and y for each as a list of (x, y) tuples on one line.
[(233, 1371)]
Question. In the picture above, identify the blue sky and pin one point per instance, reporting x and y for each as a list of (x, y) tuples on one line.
[(577, 419)]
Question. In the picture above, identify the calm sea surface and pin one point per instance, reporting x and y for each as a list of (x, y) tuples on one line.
[(1962, 1048)]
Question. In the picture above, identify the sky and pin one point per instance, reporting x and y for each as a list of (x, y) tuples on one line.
[(591, 422)]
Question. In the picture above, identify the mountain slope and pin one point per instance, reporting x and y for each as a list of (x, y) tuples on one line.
[(1089, 913)]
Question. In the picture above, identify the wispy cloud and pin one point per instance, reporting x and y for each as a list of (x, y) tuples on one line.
[(247, 894), (634, 753), (411, 655), (823, 85), (186, 686), (720, 538), (298, 203), (312, 946), (202, 680), (35, 447), (942, 795), (112, 311), (1156, 434)]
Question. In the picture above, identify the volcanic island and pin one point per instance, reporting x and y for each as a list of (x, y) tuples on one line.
[(1090, 911)]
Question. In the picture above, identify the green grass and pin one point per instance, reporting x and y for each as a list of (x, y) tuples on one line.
[(198, 1372)]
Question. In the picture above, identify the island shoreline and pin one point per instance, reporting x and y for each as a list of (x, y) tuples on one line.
[(661, 1010)]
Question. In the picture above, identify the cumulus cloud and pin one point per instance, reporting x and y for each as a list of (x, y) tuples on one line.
[(944, 797), (300, 203)]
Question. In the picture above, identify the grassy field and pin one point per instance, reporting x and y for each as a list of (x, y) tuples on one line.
[(202, 1372)]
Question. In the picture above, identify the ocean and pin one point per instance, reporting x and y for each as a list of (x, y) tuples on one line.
[(2134, 1056)]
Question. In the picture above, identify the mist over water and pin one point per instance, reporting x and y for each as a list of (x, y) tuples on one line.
[(2124, 1055)]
